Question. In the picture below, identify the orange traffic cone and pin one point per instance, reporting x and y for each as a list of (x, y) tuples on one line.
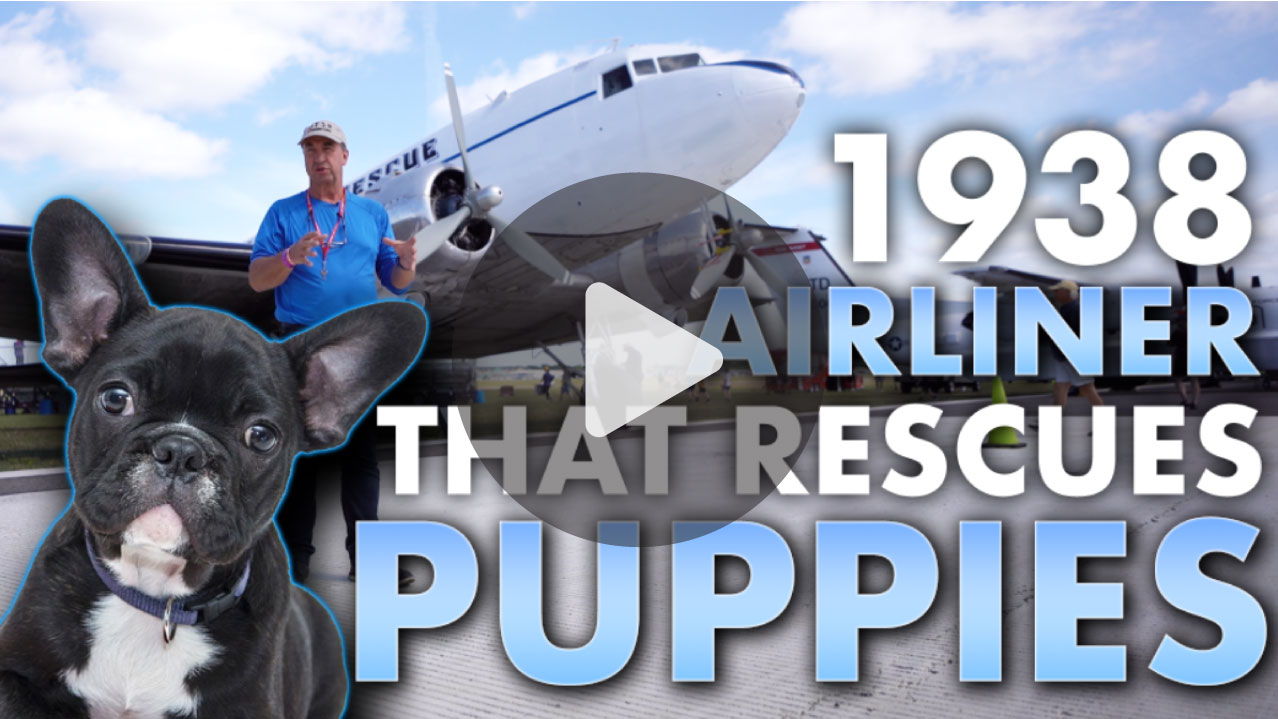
[(1004, 437)]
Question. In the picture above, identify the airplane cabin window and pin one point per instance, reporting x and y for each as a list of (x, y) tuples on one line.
[(616, 80), (670, 63), (645, 67)]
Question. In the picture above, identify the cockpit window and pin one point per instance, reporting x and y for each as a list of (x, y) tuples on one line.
[(616, 80), (645, 67), (670, 63)]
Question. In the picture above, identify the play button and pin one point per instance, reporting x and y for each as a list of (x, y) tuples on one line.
[(636, 359)]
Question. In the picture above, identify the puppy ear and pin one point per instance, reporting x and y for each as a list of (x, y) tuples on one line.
[(88, 289), (345, 363)]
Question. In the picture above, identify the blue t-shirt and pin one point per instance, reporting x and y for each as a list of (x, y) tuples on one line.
[(354, 268)]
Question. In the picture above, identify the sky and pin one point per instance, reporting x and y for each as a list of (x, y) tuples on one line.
[(182, 120)]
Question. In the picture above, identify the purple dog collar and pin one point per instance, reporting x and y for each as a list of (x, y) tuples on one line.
[(203, 607)]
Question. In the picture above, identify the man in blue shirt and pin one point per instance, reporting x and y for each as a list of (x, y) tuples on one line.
[(323, 251)]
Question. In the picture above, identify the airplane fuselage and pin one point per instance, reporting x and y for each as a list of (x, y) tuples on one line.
[(707, 123)]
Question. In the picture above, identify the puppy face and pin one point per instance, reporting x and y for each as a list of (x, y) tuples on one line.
[(187, 420), (192, 410)]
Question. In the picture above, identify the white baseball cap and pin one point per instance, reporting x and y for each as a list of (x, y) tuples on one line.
[(324, 128)]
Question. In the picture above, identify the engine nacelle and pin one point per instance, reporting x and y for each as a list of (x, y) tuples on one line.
[(416, 199)]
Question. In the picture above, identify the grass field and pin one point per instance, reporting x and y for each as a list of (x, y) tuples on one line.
[(30, 441)]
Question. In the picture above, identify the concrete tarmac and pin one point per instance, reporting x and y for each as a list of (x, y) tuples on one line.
[(462, 670)]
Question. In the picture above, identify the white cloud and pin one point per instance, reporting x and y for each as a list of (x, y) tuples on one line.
[(1156, 124), (267, 116), (88, 129), (523, 10), (497, 78), (866, 49), (1247, 16), (44, 112), (1266, 216), (1256, 103), (1122, 59), (31, 64), (102, 95), (204, 56), (782, 173)]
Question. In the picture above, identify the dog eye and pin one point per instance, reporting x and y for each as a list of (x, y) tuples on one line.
[(116, 400), (260, 438)]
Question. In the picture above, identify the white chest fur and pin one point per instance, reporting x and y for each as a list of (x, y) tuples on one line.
[(131, 673)]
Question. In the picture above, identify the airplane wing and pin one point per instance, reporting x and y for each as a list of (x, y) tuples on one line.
[(507, 303), (1006, 278), (503, 270), (174, 271)]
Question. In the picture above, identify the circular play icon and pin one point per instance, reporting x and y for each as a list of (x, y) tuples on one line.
[(658, 389)]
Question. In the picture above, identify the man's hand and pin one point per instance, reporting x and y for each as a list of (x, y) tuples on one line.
[(301, 252), (267, 273), (405, 251)]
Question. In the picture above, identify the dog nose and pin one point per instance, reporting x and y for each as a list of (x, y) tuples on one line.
[(179, 457)]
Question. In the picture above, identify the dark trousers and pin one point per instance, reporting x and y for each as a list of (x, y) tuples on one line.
[(361, 485)]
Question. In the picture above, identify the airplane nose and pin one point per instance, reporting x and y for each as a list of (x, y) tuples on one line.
[(771, 67), (769, 93)]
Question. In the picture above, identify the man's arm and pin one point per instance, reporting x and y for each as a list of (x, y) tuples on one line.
[(269, 272), (396, 260), (405, 269)]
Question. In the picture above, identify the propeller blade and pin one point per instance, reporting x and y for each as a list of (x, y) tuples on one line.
[(455, 107), (727, 208), (709, 276), (437, 233), (533, 252), (776, 284)]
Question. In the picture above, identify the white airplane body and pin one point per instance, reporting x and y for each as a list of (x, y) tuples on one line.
[(622, 115), (567, 128), (603, 120)]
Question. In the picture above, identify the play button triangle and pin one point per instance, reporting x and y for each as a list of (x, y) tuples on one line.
[(636, 359)]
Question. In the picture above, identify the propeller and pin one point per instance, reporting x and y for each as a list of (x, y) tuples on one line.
[(478, 203), (740, 240), (709, 276)]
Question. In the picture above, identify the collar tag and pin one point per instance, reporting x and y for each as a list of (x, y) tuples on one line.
[(169, 627)]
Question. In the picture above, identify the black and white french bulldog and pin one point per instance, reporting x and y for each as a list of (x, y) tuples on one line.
[(165, 591)]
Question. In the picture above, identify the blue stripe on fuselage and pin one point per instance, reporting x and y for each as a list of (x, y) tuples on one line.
[(514, 127), (765, 65)]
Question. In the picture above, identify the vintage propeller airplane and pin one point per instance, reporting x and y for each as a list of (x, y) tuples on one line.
[(603, 171)]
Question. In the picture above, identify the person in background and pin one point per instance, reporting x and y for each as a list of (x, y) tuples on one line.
[(324, 251), (547, 379), (1065, 297), (1180, 361)]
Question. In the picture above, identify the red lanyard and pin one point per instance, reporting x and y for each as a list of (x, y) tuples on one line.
[(341, 211)]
